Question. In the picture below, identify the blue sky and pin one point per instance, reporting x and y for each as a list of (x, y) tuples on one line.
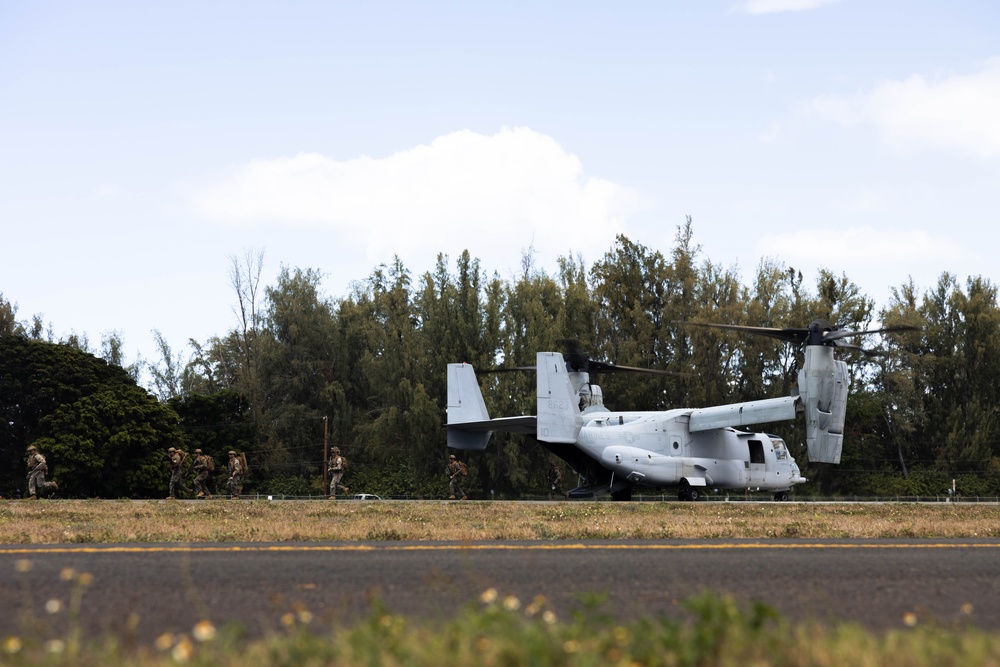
[(142, 145)]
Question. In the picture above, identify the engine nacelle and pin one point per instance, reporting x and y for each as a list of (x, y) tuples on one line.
[(823, 387)]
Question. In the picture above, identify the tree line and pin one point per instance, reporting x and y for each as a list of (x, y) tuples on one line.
[(367, 373)]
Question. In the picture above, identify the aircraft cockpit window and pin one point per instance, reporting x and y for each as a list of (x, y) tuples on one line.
[(780, 451)]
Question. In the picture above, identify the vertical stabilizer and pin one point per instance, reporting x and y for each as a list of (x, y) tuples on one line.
[(823, 385), (559, 417), (466, 406)]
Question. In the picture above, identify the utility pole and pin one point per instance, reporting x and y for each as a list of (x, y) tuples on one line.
[(326, 424)]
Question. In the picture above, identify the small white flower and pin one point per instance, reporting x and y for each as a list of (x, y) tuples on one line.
[(55, 646)]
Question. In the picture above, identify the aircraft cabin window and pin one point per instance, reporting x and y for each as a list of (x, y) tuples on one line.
[(677, 445)]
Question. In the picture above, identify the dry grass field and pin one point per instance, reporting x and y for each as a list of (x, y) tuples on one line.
[(124, 521)]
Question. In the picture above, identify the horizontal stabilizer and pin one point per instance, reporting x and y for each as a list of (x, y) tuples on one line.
[(525, 425), (469, 423), (476, 435)]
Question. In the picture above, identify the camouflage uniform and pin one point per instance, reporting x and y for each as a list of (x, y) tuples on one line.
[(336, 470), (177, 458), (37, 467), (201, 474), (454, 472), (235, 476), (556, 482)]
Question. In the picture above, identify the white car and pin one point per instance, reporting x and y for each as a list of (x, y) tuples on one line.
[(366, 496)]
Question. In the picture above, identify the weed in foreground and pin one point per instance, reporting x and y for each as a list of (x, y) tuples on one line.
[(499, 629)]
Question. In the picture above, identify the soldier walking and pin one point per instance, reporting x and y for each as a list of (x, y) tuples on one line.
[(338, 464), (177, 458), (455, 472), (37, 467), (556, 482), (235, 475), (202, 467)]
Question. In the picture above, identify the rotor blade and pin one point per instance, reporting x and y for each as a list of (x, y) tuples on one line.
[(592, 366), (836, 335), (789, 335), (819, 332), (507, 369), (858, 348), (602, 367)]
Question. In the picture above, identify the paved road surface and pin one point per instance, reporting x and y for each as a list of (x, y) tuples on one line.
[(166, 587)]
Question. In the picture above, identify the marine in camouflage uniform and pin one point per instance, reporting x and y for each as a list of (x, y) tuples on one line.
[(235, 476), (37, 467), (336, 470), (201, 472), (556, 482), (454, 472), (177, 458)]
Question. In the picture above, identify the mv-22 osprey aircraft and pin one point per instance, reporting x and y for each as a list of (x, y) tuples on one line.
[(687, 449)]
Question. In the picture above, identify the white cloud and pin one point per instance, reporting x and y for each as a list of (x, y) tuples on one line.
[(503, 192), (843, 249), (956, 113), (775, 6)]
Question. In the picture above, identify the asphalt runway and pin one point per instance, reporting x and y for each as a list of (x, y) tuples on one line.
[(157, 588)]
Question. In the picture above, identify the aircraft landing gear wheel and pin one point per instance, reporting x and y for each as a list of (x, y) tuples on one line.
[(781, 496), (688, 492)]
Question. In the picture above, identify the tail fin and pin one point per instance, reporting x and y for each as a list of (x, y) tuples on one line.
[(823, 385), (558, 400), (466, 407)]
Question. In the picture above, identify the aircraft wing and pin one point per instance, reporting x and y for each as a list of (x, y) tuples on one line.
[(744, 414)]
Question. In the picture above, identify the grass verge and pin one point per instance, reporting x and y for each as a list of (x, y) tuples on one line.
[(108, 521)]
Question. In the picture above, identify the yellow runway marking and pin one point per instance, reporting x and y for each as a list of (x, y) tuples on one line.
[(725, 546)]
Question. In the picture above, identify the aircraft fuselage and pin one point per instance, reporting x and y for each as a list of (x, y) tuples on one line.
[(657, 449)]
